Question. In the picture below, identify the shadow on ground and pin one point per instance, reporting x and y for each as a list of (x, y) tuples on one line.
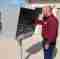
[(34, 49)]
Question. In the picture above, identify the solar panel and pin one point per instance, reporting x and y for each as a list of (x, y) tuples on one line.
[(24, 25)]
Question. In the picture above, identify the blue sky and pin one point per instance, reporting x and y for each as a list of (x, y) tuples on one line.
[(5, 3)]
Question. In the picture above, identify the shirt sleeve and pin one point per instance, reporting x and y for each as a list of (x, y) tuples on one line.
[(52, 34)]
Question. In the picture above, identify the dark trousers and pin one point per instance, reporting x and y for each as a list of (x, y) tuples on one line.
[(48, 53)]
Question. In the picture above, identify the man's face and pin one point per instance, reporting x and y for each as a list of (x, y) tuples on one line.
[(46, 11)]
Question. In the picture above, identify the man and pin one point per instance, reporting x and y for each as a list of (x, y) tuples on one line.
[(49, 31)]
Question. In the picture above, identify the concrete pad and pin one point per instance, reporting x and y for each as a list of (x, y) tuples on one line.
[(8, 49)]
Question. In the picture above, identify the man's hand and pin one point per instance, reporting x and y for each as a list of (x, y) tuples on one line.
[(40, 17), (46, 46)]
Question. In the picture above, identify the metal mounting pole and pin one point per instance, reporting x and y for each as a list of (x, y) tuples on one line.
[(21, 49)]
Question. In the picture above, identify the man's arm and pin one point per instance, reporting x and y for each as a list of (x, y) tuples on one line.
[(36, 21)]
